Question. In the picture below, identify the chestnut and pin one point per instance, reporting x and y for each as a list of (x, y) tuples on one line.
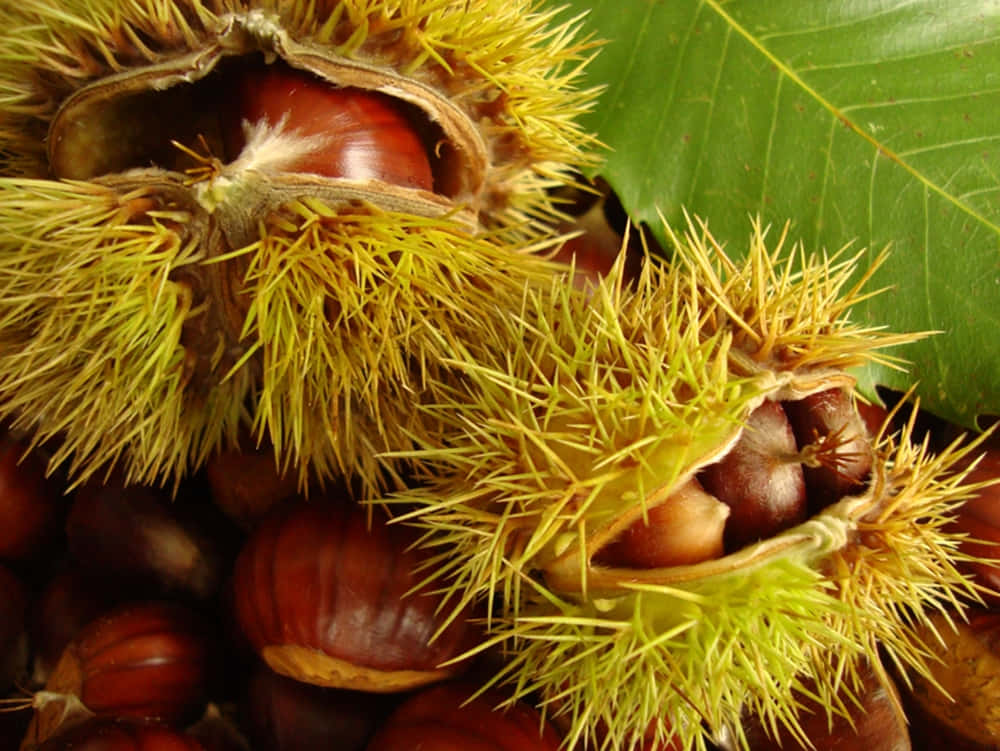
[(148, 660), (445, 717), (116, 734), (326, 596), (979, 519), (872, 722), (67, 602), (835, 446), (218, 731), (966, 717), (282, 714), (686, 528), (245, 482), (30, 505), (13, 633), (343, 131), (134, 536), (760, 479)]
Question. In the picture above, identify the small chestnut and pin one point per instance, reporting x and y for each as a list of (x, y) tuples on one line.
[(327, 598), (282, 714), (979, 519), (835, 445), (29, 504), (445, 717), (246, 482), (218, 731), (955, 706), (148, 660), (67, 602), (13, 633), (760, 479), (134, 536), (872, 722), (116, 734), (686, 528)]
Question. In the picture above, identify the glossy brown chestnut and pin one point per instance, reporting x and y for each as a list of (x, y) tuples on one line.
[(686, 528), (67, 602), (360, 134), (443, 718), (760, 479), (13, 633), (115, 734), (326, 600), (873, 723), (246, 483), (282, 714), (979, 519), (133, 536), (219, 731), (29, 504), (835, 444), (148, 660)]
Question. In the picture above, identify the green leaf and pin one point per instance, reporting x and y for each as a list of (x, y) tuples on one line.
[(861, 121)]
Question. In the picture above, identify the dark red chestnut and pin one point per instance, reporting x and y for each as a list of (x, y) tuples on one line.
[(219, 731), (148, 660), (29, 504), (115, 734), (358, 134), (67, 602), (760, 479), (873, 723), (835, 446), (13, 632), (327, 599), (134, 536), (282, 714), (966, 717), (246, 483), (444, 718), (979, 519)]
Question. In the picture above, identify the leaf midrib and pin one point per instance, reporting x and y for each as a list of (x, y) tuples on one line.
[(881, 149)]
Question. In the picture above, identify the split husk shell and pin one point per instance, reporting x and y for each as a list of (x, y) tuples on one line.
[(158, 303), (584, 411)]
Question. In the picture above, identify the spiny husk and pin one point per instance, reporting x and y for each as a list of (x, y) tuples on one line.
[(153, 312), (318, 335), (580, 413), (509, 68), (801, 613)]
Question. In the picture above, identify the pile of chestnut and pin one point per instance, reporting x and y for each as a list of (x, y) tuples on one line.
[(132, 618), (237, 615)]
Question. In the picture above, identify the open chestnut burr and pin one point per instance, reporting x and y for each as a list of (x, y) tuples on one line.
[(329, 596)]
